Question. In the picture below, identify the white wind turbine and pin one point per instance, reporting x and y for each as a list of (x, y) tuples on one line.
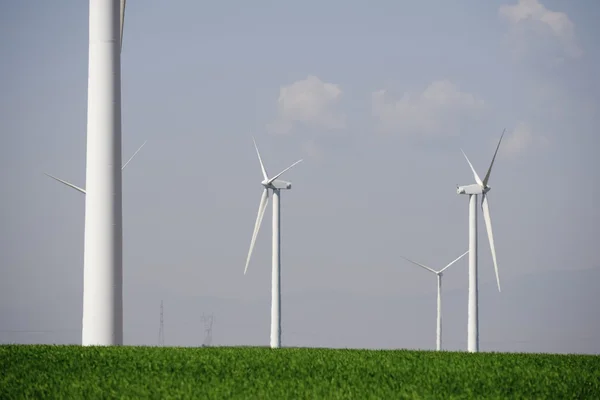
[(479, 188), (276, 185), (439, 275), (83, 190)]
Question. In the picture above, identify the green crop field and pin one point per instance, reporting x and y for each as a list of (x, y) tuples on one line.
[(74, 372)]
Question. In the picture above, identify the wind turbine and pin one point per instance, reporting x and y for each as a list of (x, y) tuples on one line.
[(83, 190), (439, 275), (473, 190), (102, 321), (276, 185)]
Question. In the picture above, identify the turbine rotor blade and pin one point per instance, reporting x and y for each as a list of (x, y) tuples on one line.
[(487, 176), (420, 265), (463, 254), (281, 173), (262, 166), (477, 179), (66, 183), (131, 158), (488, 225), (123, 2), (264, 200)]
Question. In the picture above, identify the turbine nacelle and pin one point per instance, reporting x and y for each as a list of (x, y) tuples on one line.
[(472, 189), (277, 184)]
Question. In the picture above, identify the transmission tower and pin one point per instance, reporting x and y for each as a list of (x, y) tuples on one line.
[(161, 330), (208, 323)]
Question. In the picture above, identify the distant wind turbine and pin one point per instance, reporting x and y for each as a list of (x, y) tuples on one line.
[(479, 188), (276, 185), (83, 190), (439, 275)]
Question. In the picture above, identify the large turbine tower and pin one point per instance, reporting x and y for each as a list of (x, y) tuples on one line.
[(276, 185), (478, 188), (439, 274), (102, 322)]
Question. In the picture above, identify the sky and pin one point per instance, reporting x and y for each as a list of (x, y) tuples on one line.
[(378, 98)]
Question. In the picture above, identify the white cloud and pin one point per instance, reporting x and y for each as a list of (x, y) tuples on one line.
[(438, 110), (521, 139), (311, 102), (543, 21)]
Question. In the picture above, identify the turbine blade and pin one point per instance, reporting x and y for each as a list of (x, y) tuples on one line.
[(463, 254), (420, 265), (131, 158), (123, 2), (487, 176), (264, 200), (262, 166), (488, 225), (477, 179), (281, 173), (66, 183)]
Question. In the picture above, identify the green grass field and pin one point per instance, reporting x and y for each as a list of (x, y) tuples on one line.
[(74, 372)]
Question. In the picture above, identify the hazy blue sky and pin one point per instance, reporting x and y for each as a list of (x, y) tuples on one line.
[(378, 98)]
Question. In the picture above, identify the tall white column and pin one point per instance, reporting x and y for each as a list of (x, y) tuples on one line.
[(439, 313), (473, 318), (103, 254), (276, 274)]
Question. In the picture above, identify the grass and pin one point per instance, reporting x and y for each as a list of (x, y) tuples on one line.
[(75, 372)]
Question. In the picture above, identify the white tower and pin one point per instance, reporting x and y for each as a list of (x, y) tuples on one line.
[(103, 252), (276, 185)]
